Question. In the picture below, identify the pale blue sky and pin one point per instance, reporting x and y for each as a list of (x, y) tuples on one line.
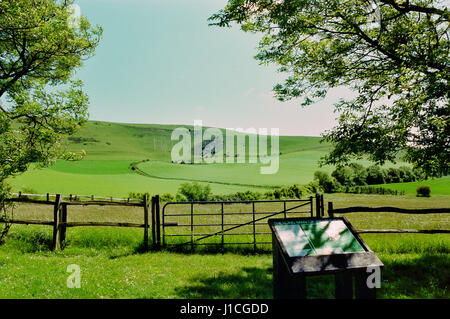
[(160, 62)]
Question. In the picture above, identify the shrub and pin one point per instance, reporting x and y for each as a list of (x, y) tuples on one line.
[(344, 175), (239, 196), (418, 173), (359, 174), (295, 191), (194, 191), (328, 183), (373, 190), (167, 197), (249, 195), (137, 195), (375, 175), (393, 176), (4, 194), (423, 191), (407, 174), (268, 195), (180, 198), (312, 188)]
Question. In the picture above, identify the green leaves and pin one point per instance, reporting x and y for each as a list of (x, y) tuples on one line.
[(40, 103), (398, 66)]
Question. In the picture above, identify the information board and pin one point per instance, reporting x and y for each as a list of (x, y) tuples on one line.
[(316, 237)]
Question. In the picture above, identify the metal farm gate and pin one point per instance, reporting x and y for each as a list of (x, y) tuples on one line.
[(229, 222)]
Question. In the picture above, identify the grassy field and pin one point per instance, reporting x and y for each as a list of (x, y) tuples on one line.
[(439, 186), (114, 266), (106, 273), (112, 147)]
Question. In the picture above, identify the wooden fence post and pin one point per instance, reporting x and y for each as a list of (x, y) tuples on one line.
[(192, 226), (330, 209), (63, 226), (318, 205), (254, 228), (158, 222), (223, 234), (322, 206), (56, 223), (153, 222), (145, 222)]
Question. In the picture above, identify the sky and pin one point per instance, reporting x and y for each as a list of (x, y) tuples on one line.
[(161, 63)]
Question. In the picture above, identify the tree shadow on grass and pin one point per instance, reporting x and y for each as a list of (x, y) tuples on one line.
[(248, 282), (423, 276), (404, 276), (217, 249)]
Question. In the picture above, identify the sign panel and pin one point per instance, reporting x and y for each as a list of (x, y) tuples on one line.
[(316, 237)]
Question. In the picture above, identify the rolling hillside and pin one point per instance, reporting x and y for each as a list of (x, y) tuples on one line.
[(112, 147)]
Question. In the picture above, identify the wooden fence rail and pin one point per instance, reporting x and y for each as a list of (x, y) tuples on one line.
[(73, 197), (60, 212), (359, 209)]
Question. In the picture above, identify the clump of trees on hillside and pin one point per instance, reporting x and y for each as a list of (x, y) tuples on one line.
[(345, 177)]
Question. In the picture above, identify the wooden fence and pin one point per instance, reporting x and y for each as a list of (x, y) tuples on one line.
[(359, 209), (60, 211), (61, 203)]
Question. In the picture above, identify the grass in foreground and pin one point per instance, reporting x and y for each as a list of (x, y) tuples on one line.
[(112, 265), (416, 266)]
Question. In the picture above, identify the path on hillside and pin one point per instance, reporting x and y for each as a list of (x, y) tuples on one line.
[(135, 168)]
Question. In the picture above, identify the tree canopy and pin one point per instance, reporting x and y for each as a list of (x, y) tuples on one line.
[(392, 53), (40, 47)]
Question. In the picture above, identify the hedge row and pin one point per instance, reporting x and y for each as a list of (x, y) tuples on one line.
[(355, 174)]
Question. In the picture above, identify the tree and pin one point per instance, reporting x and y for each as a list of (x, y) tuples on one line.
[(344, 175), (407, 174), (375, 175), (40, 47), (392, 53), (359, 174), (393, 175), (194, 192), (328, 183)]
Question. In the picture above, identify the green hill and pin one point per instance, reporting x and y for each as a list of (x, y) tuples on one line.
[(107, 141), (111, 149)]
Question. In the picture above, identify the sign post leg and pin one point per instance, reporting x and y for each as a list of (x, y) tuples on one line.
[(343, 282), (362, 291), (285, 286)]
